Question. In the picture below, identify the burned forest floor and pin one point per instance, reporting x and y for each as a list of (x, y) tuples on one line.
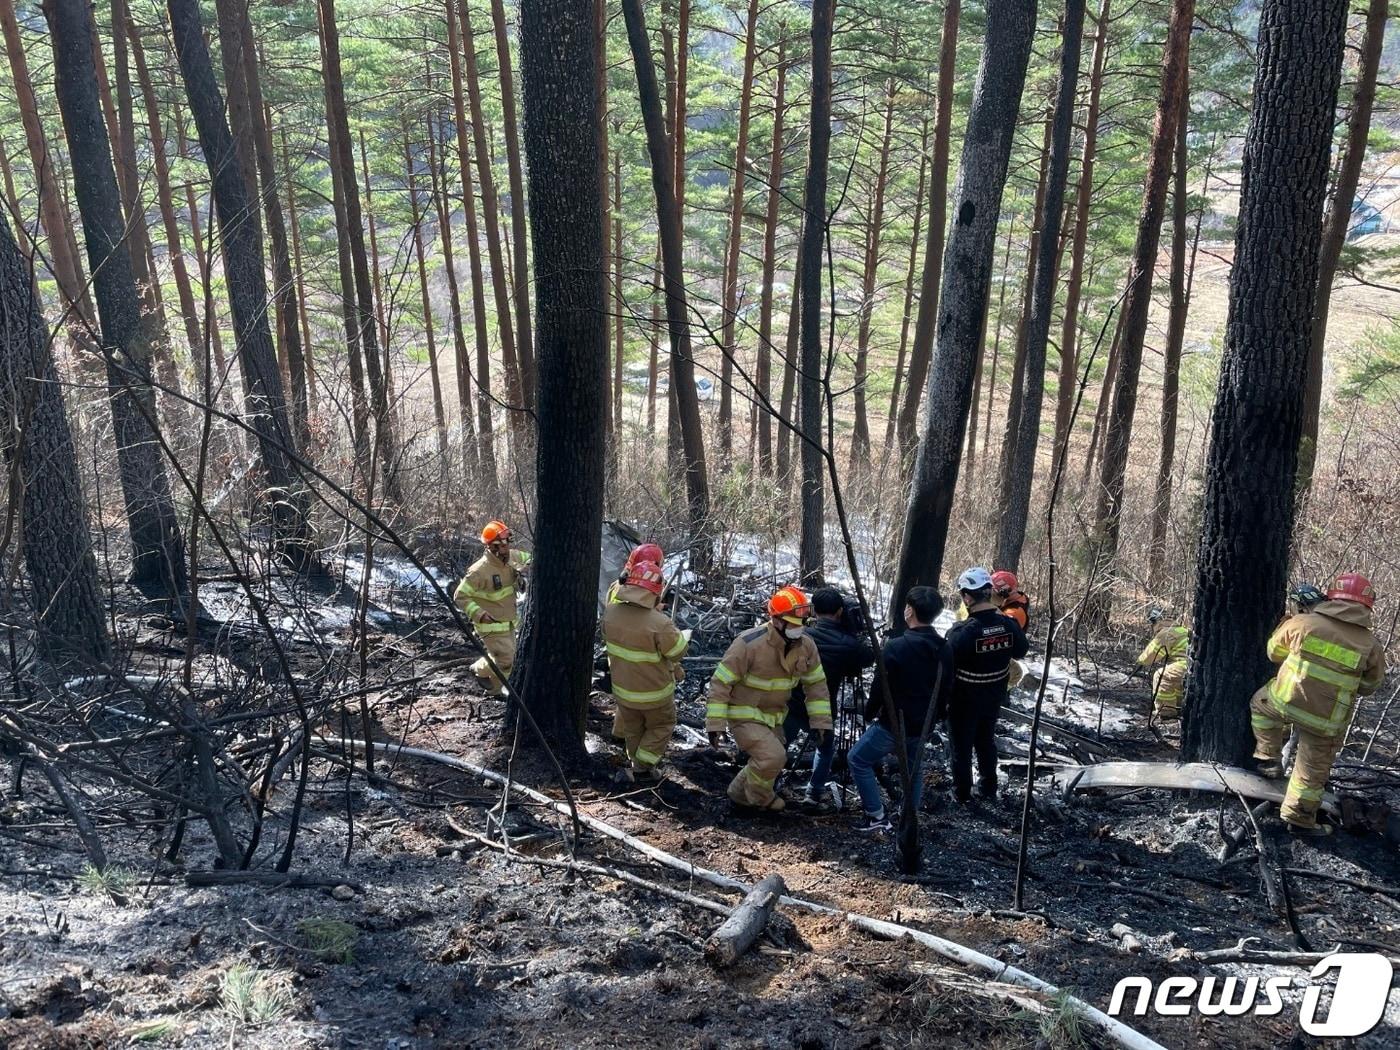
[(406, 922)]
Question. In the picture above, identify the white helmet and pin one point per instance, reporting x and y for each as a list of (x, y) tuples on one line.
[(974, 579)]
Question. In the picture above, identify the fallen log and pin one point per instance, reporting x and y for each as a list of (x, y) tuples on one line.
[(271, 879), (1115, 1030), (1242, 953), (738, 932), (1076, 743), (1187, 776)]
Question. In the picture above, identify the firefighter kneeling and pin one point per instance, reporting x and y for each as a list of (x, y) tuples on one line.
[(1328, 657), (749, 696), (644, 661)]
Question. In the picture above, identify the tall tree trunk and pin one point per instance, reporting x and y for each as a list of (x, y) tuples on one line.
[(921, 350), (53, 213), (612, 320), (908, 315), (1171, 358), (478, 459), (763, 376), (617, 330), (1022, 466), (189, 309), (349, 307), (991, 380), (678, 127), (483, 351), (299, 284), (287, 499), (157, 548), (429, 335), (673, 275), (344, 159), (524, 335), (555, 668), (381, 308), (811, 548), (202, 253), (58, 554), (730, 302), (967, 269), (1248, 514), (1118, 434), (1074, 284), (860, 433), (1334, 233), (1110, 377), (520, 394), (654, 338), (789, 358)]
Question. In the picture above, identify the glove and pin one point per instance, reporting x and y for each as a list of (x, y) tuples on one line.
[(716, 739)]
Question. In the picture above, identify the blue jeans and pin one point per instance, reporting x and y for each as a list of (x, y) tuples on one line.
[(874, 744), (794, 724)]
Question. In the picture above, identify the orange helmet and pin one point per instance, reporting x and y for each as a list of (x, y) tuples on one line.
[(1353, 587), (648, 552), (1004, 582), (495, 532), (791, 603), (647, 576)]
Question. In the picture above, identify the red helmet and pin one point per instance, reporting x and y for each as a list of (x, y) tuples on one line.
[(645, 552), (790, 603), (1353, 587), (495, 531), (1004, 582), (647, 576)]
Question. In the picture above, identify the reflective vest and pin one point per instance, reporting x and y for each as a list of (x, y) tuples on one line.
[(644, 649), (488, 589), (756, 677), (1170, 645), (1327, 658)]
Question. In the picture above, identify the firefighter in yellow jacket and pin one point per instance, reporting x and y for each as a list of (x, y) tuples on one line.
[(1327, 658), (1170, 647), (486, 597), (750, 690), (644, 662)]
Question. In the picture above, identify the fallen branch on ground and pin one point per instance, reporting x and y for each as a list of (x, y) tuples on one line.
[(1242, 953), (271, 879), (745, 924)]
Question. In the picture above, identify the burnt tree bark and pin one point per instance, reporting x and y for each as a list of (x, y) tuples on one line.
[(811, 547), (921, 349), (1017, 494), (967, 271), (1118, 432), (157, 548), (1334, 234), (43, 474), (287, 499), (553, 673), (1247, 522), (673, 277)]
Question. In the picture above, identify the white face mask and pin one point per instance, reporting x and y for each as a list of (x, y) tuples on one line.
[(794, 633)]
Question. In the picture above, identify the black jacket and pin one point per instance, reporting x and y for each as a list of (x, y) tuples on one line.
[(983, 647), (844, 655), (917, 663)]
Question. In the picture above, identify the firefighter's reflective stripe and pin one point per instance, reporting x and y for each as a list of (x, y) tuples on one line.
[(1286, 687), (472, 610), (716, 709), (678, 648), (651, 696), (646, 757), (743, 713), (765, 783), (500, 627), (1338, 654), (633, 656), (772, 685), (725, 675), (1264, 722), (815, 675), (818, 708)]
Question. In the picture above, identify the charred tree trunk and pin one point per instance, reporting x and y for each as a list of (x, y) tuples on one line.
[(520, 234), (730, 304), (811, 549), (677, 303), (921, 350), (1118, 434), (908, 314), (1334, 233), (554, 671), (1022, 462), (967, 272), (287, 499), (763, 372), (1247, 523), (1074, 284), (43, 467)]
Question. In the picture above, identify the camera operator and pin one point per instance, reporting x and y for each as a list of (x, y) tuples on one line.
[(845, 654)]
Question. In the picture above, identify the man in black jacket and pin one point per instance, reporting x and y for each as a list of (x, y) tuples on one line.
[(983, 647), (845, 655), (918, 671)]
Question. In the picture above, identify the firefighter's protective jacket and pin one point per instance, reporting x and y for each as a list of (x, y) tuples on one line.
[(1168, 646), (488, 590), (1327, 658), (757, 675), (644, 649)]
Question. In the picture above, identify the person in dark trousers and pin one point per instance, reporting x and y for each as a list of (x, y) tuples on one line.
[(919, 671), (845, 654), (983, 647)]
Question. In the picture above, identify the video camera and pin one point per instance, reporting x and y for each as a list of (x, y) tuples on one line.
[(852, 616)]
